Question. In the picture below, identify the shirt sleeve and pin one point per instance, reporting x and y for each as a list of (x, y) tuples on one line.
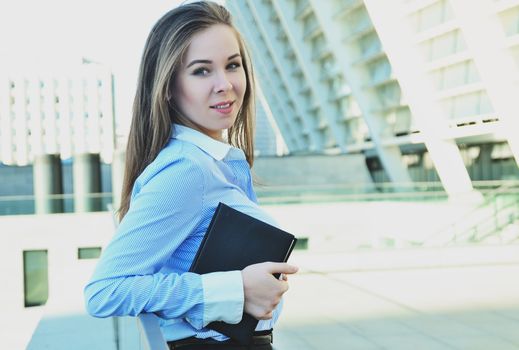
[(164, 211)]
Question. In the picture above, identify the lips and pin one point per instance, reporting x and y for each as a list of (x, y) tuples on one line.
[(222, 105)]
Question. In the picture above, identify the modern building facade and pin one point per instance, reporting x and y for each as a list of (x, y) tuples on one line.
[(424, 89), (47, 117), (65, 112)]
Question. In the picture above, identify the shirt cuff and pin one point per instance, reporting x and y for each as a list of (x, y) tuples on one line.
[(223, 297)]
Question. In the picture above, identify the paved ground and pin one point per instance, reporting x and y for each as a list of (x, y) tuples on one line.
[(450, 298), (396, 304)]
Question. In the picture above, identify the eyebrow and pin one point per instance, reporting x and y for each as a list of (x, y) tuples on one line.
[(209, 62)]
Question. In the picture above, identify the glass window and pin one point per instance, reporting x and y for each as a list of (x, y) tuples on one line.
[(466, 105), (35, 277), (89, 253), (510, 21), (455, 75)]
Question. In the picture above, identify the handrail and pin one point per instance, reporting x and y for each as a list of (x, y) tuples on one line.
[(497, 212), (411, 185), (490, 198), (277, 194), (27, 197), (351, 197), (261, 187), (356, 188), (152, 337), (52, 203)]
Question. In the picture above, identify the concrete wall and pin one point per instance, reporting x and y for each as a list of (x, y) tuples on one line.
[(352, 225), (330, 227), (61, 235), (312, 170)]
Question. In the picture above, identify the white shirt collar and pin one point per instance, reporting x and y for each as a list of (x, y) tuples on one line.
[(216, 149)]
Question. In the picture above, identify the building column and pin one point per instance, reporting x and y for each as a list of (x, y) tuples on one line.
[(357, 75), (296, 38), (48, 184), (391, 23), (484, 161), (86, 174), (272, 53), (486, 39)]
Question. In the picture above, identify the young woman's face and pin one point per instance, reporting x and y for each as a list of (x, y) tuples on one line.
[(211, 83)]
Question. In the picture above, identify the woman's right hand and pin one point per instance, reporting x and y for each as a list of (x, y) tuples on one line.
[(262, 290)]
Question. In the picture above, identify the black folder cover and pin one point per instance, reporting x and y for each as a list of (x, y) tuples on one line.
[(233, 241)]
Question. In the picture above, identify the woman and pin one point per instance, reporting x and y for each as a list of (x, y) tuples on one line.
[(190, 147)]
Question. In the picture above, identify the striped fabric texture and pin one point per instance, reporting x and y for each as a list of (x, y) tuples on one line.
[(144, 267)]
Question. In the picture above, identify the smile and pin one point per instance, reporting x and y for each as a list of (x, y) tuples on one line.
[(223, 105)]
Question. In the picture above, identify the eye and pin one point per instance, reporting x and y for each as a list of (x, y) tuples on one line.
[(233, 66), (202, 71)]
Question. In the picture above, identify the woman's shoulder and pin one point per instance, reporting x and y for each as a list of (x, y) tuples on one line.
[(174, 159)]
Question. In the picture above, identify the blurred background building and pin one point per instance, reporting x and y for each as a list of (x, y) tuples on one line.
[(66, 112), (424, 90), (420, 90), (48, 119), (407, 110)]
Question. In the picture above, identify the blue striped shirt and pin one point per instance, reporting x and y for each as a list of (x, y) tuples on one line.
[(144, 267)]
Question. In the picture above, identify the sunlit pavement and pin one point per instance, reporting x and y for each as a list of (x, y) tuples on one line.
[(422, 298), (450, 298)]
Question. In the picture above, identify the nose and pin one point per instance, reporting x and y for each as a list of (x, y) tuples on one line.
[(222, 83)]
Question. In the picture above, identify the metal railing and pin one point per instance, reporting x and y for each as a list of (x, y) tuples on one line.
[(386, 191), (416, 191), (502, 212), (498, 211), (150, 333), (57, 203)]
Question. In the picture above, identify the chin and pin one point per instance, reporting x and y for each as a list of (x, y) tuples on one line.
[(228, 123)]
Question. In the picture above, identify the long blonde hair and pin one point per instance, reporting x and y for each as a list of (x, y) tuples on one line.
[(154, 109)]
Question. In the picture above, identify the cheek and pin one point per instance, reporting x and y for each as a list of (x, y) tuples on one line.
[(240, 85), (191, 95)]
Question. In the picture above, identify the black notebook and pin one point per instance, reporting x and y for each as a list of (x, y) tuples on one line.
[(233, 241)]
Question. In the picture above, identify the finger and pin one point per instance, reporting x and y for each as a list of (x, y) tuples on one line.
[(273, 267), (267, 316), (284, 287)]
